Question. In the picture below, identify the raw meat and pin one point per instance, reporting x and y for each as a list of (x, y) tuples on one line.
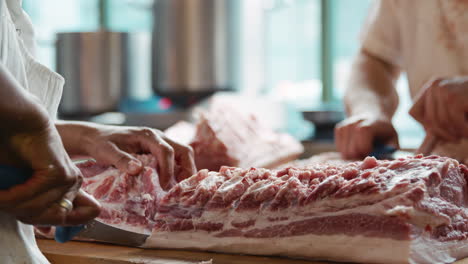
[(411, 210), (226, 137), (128, 201)]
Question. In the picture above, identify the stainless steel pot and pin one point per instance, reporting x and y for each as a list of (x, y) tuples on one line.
[(191, 46), (93, 64)]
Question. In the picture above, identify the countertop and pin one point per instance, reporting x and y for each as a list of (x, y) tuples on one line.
[(94, 253)]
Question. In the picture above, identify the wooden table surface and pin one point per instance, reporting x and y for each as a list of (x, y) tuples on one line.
[(94, 253)]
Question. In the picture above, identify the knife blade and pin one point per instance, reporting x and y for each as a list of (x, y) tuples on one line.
[(94, 230), (100, 232)]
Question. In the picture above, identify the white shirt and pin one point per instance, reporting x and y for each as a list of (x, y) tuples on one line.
[(425, 38), (17, 242)]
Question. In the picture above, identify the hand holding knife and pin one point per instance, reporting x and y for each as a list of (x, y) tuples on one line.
[(94, 230), (383, 151)]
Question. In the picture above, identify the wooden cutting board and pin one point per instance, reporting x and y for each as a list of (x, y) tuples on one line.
[(94, 253)]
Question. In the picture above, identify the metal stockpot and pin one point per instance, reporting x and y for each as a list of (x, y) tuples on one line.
[(191, 47), (94, 67)]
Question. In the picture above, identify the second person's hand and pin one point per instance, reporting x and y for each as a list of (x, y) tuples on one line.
[(442, 108), (113, 145)]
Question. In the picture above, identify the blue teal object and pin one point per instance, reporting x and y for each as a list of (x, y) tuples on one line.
[(382, 151), (150, 105), (11, 176), (66, 233)]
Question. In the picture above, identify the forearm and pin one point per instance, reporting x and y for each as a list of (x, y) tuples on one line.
[(371, 89), (23, 120), (20, 112)]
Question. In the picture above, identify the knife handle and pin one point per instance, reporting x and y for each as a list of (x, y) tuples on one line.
[(11, 176), (381, 150), (66, 233)]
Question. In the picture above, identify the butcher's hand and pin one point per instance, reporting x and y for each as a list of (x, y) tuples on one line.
[(113, 145), (442, 108), (28, 139), (356, 135)]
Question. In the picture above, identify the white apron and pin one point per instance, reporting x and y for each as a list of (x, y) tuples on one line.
[(17, 242)]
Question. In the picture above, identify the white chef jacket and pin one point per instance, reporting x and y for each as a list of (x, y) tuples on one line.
[(425, 38), (17, 48)]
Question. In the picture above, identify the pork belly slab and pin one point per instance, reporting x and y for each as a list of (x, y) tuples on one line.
[(411, 210)]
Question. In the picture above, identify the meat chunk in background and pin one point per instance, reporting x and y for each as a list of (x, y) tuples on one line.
[(182, 132), (224, 136), (411, 210)]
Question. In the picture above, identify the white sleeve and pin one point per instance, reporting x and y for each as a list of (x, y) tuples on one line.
[(381, 32), (23, 24)]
